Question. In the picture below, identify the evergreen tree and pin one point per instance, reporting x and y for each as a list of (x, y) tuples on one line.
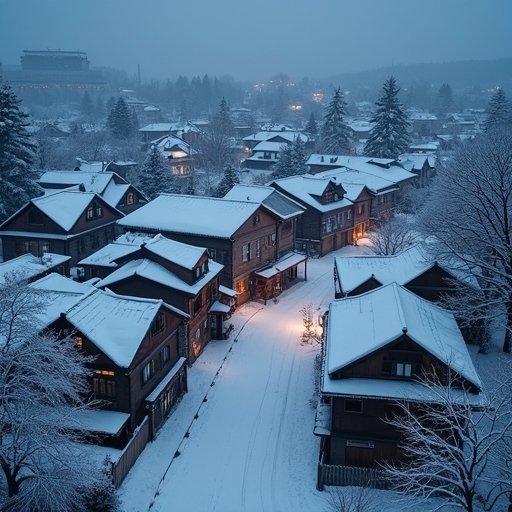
[(155, 177), (86, 107), (292, 160), (335, 136), (388, 138), (228, 181), (191, 189), (311, 127), (99, 110), (498, 111), (444, 101), (223, 120), (120, 121), (17, 155)]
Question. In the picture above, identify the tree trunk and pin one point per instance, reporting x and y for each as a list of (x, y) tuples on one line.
[(507, 342)]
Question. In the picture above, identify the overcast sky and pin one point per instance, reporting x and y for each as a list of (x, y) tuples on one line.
[(259, 38)]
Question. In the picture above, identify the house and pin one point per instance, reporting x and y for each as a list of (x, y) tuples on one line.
[(377, 347), (114, 189), (186, 131), (178, 154), (68, 222), (137, 368), (244, 236), (386, 192), (28, 267), (413, 268), (181, 275), (336, 213), (421, 164)]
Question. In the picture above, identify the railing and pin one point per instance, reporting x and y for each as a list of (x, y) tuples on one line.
[(329, 474), (130, 454)]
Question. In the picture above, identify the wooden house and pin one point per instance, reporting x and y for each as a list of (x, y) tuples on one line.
[(336, 214), (28, 267), (178, 154), (181, 275), (71, 223), (414, 268), (135, 344), (114, 189), (244, 236), (377, 348)]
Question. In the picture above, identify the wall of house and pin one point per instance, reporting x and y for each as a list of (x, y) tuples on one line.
[(431, 284)]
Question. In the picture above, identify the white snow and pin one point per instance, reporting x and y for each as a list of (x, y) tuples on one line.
[(251, 446), (186, 214), (28, 266), (360, 325)]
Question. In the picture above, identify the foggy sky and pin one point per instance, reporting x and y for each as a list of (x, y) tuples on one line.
[(259, 38)]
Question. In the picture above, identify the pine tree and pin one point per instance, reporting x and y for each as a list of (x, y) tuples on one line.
[(155, 177), (222, 119), (17, 155), (388, 138), (119, 120), (444, 101), (228, 181), (292, 160), (335, 136), (86, 107), (311, 127), (498, 111)]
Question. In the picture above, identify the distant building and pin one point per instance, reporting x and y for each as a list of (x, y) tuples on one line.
[(54, 69)]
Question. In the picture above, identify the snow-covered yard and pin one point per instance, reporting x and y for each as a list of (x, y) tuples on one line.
[(241, 439)]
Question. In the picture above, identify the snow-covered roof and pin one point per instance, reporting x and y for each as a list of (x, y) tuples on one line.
[(184, 255), (168, 127), (92, 181), (100, 421), (400, 268), (60, 294), (155, 272), (64, 207), (415, 161), (380, 167), (266, 146), (91, 166), (358, 326), (206, 216), (287, 261), (28, 266), (116, 324), (350, 176), (269, 197), (361, 126), (172, 143), (115, 192), (305, 187), (289, 135)]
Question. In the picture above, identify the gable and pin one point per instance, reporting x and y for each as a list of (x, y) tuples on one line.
[(32, 219)]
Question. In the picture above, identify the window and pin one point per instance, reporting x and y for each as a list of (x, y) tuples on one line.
[(130, 198), (398, 369), (81, 245), (148, 371), (256, 220), (158, 324), (104, 384), (349, 215), (246, 252), (198, 303), (95, 241), (360, 443), (45, 247), (94, 211), (165, 354), (35, 218), (360, 209), (213, 253), (241, 286), (79, 343), (258, 249), (198, 333), (352, 405), (198, 272), (287, 225), (271, 239)]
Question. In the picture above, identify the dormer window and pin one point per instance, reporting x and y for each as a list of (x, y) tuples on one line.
[(130, 198), (94, 211), (256, 220), (79, 343)]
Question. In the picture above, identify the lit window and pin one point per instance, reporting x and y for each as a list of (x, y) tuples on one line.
[(79, 343)]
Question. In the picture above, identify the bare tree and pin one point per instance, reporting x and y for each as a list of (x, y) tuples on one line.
[(470, 215), (454, 449), (393, 236), (42, 384), (353, 499)]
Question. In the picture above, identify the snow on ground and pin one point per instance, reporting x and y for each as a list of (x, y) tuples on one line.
[(241, 439)]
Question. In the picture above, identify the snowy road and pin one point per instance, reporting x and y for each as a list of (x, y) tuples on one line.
[(251, 447)]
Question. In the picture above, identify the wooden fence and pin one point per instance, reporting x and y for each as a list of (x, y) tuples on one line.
[(349, 475), (130, 453)]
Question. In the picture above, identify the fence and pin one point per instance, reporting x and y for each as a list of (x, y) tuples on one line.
[(130, 453)]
